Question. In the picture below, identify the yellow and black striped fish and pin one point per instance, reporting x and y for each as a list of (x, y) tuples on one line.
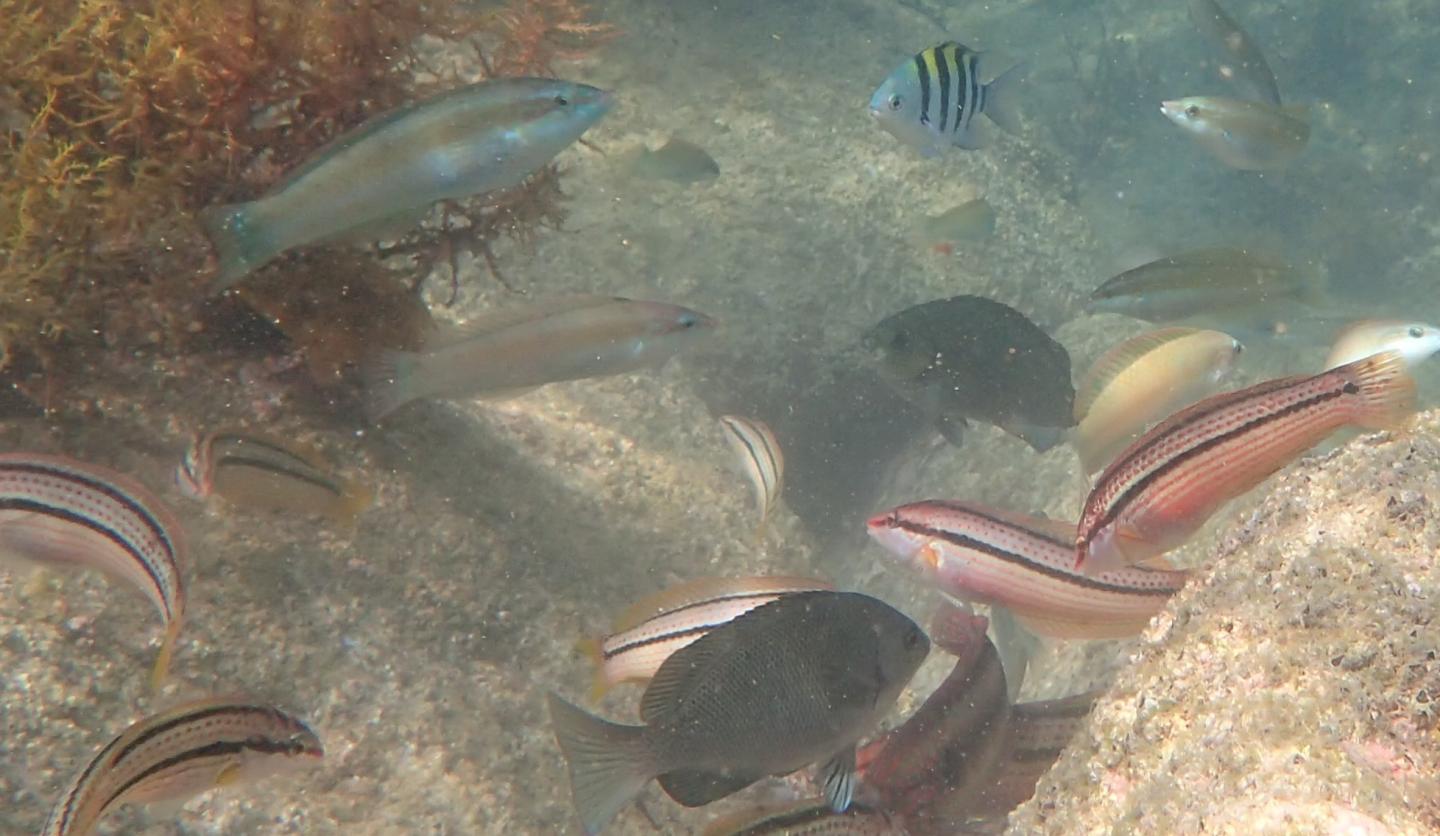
[(930, 102)]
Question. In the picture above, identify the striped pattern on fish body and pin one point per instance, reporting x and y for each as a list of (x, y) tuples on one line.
[(761, 456), (266, 473), (56, 511), (932, 100), (182, 752), (1026, 564), (811, 817), (677, 617), (1164, 487)]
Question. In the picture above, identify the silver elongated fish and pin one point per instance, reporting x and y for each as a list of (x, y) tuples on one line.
[(390, 170), (513, 350), (655, 627), (1246, 65), (761, 456), (1415, 342), (931, 101), (266, 473), (1249, 136), (181, 752), (56, 511)]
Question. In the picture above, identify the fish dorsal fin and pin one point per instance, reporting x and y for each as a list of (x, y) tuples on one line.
[(708, 589), (1119, 358), (510, 316), (689, 666)]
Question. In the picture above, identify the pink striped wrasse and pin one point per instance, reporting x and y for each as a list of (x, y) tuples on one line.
[(760, 455), (269, 474), (1163, 487), (1024, 563), (645, 635), (56, 511), (182, 752)]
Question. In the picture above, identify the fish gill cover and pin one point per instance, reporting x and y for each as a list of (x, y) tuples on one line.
[(122, 119)]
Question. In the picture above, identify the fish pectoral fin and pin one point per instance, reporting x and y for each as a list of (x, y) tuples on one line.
[(696, 788), (1134, 545), (838, 779)]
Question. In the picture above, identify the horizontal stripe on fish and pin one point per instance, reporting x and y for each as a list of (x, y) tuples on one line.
[(1165, 486), (811, 817), (1024, 563), (761, 457), (677, 617), (56, 511), (265, 473), (181, 752)]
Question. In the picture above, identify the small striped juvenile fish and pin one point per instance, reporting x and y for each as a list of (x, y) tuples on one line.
[(811, 817), (1025, 564), (56, 511), (930, 102), (1164, 487), (645, 635), (266, 473), (182, 752), (760, 455)]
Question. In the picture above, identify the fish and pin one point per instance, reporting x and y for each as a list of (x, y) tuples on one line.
[(267, 473), (645, 635), (971, 221), (1142, 380), (790, 683), (1164, 486), (388, 172), (931, 101), (181, 752), (677, 161), (971, 357), (1210, 281), (1246, 135), (59, 512), (1025, 564), (1416, 342), (1245, 64), (516, 349), (760, 454), (808, 817)]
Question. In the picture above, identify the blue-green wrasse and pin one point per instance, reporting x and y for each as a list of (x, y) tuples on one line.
[(932, 101), (181, 752), (386, 174)]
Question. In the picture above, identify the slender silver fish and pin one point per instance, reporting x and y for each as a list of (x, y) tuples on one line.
[(646, 634), (389, 171), (1413, 341), (760, 455), (513, 350), (1249, 136), (267, 473), (56, 511), (1245, 65), (182, 752)]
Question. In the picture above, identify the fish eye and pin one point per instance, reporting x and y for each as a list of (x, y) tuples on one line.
[(688, 320), (1416, 331), (1192, 111), (895, 101), (562, 101)]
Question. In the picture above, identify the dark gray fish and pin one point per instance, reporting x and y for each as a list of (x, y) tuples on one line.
[(971, 357), (788, 684)]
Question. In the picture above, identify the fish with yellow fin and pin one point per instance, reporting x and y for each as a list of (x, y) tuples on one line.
[(260, 472)]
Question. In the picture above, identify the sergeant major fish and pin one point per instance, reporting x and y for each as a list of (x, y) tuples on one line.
[(389, 171), (796, 681), (513, 350), (931, 101)]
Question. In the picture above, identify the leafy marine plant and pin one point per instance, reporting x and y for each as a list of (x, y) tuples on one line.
[(120, 118)]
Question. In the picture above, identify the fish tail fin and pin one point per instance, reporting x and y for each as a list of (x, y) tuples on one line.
[(1040, 437), (161, 670), (238, 244), (1387, 391), (609, 763), (387, 382), (1001, 95), (589, 647)]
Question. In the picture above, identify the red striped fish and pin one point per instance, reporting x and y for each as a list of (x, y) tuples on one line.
[(56, 511), (1024, 563), (645, 635), (1164, 487)]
